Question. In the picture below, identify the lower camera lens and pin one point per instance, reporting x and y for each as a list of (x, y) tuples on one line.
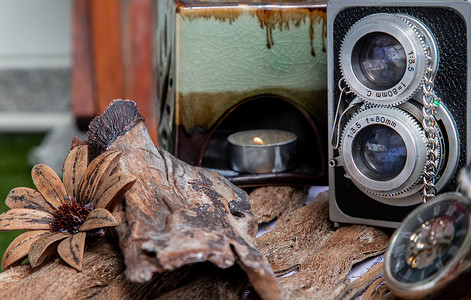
[(379, 60), (384, 153), (381, 152)]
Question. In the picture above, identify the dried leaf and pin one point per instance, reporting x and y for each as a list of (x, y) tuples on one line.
[(98, 218), (23, 197), (71, 250), (76, 142), (112, 190), (49, 185), (44, 247), (100, 167), (19, 248), (25, 219), (74, 167)]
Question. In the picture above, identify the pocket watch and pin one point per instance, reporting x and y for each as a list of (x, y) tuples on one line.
[(430, 248)]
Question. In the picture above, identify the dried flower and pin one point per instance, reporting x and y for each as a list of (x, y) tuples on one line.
[(59, 215)]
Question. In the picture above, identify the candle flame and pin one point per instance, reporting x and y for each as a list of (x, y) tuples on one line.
[(257, 140)]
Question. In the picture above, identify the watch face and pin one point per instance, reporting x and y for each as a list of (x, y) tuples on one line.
[(429, 242)]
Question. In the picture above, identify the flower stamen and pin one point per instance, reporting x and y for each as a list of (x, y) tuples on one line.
[(69, 216)]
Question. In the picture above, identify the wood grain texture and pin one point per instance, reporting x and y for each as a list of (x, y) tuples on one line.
[(23, 197), (103, 273), (72, 248), (113, 56), (322, 254), (280, 202), (107, 58), (49, 185), (140, 71), (18, 249), (82, 85), (102, 264), (102, 277), (177, 214)]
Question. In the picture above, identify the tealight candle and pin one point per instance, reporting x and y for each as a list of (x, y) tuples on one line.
[(262, 151)]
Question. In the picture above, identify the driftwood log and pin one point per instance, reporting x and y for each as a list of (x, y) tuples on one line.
[(177, 214)]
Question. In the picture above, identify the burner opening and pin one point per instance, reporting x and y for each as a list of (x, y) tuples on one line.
[(269, 112)]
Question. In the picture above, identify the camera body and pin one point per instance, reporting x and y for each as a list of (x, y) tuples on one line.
[(398, 109)]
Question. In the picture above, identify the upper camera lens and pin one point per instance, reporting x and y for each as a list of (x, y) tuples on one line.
[(381, 152), (383, 57), (379, 60)]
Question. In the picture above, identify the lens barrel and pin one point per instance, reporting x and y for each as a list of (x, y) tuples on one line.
[(384, 153), (383, 57)]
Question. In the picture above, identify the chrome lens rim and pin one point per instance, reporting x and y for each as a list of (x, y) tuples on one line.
[(413, 138), (407, 35)]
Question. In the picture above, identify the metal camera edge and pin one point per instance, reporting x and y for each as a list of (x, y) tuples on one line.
[(359, 193)]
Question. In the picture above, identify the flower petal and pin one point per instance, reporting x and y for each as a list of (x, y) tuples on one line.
[(98, 218), (99, 167), (25, 219), (49, 185), (19, 248), (74, 167), (23, 197), (45, 247), (112, 190), (71, 250)]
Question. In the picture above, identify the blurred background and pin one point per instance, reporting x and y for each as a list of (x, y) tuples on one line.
[(61, 63)]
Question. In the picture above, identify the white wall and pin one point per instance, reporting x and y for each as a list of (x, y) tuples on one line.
[(35, 33)]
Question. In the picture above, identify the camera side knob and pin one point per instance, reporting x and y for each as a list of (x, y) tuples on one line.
[(384, 154), (383, 57)]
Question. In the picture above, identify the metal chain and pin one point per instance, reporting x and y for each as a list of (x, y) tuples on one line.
[(339, 113), (430, 102)]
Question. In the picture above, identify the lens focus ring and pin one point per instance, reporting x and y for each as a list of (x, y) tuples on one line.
[(383, 57), (384, 153)]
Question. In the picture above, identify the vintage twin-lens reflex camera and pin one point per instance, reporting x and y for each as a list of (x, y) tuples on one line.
[(398, 79)]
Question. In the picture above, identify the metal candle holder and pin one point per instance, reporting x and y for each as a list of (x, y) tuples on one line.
[(262, 151)]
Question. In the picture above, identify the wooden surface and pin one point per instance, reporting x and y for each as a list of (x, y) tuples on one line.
[(293, 246), (186, 233), (108, 69), (307, 243), (83, 106), (321, 254), (140, 77), (113, 51)]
